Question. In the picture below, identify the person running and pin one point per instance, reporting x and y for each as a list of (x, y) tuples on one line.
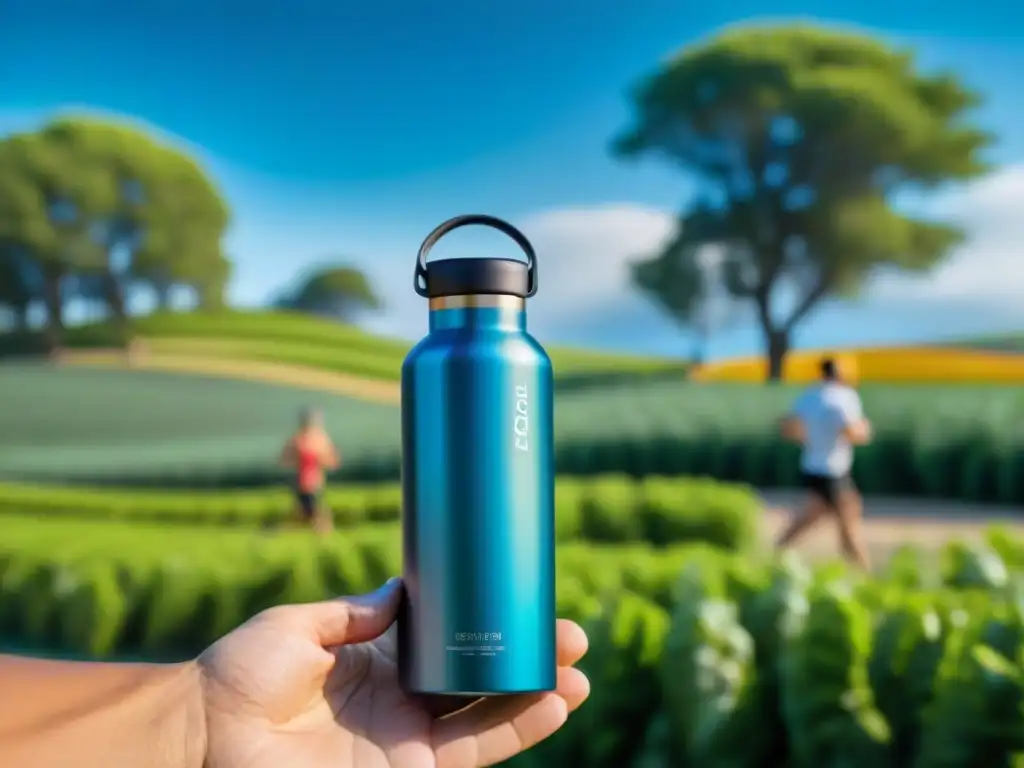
[(828, 421), (309, 452)]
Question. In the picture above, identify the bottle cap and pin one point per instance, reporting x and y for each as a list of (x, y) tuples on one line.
[(467, 276), (463, 277)]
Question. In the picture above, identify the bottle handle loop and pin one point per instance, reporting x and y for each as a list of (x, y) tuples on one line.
[(420, 276)]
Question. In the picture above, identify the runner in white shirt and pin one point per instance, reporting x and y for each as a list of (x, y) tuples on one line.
[(828, 420)]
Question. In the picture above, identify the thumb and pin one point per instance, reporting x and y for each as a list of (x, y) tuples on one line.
[(358, 619)]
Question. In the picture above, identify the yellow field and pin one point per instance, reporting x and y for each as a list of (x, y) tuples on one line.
[(881, 365)]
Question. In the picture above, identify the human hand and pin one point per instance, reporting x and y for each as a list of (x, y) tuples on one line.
[(316, 685)]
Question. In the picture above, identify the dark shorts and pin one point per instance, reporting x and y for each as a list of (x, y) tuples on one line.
[(307, 503), (827, 488)]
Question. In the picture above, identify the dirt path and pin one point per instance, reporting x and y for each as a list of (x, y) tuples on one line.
[(297, 376), (891, 523)]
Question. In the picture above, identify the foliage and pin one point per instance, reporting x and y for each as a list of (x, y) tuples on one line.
[(800, 137), (101, 206), (952, 442), (939, 365), (697, 658), (602, 510), (691, 291), (335, 292)]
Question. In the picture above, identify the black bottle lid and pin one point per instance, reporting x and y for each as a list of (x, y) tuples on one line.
[(463, 277), (467, 276)]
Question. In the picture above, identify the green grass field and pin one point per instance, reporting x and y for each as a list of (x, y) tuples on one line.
[(92, 423), (164, 429), (103, 573), (298, 339), (211, 396)]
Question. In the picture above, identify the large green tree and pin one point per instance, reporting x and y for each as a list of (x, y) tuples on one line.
[(341, 292), (799, 138), (47, 204), (163, 224), (101, 204)]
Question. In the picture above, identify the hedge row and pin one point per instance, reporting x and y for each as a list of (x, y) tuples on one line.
[(956, 442), (956, 462), (970, 468), (106, 588), (697, 658), (610, 509)]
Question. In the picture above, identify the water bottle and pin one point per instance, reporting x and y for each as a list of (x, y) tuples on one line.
[(478, 617)]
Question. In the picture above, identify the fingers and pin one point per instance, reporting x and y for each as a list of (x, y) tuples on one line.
[(570, 642), (358, 619), (496, 729)]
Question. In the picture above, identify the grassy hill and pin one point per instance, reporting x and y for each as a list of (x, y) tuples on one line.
[(301, 340), (109, 424)]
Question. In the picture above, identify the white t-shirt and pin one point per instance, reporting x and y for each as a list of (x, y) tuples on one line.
[(825, 410)]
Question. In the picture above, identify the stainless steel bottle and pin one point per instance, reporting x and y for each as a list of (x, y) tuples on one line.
[(478, 482)]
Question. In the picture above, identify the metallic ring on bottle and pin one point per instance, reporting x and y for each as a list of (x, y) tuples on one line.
[(420, 276), (478, 301)]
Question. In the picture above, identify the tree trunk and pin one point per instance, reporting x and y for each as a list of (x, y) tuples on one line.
[(699, 354), (53, 334), (777, 348), (163, 295), (115, 300), (21, 319)]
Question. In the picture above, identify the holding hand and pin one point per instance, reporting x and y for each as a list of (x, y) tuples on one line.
[(314, 685)]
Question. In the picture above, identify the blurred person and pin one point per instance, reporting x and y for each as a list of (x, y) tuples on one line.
[(310, 453), (297, 686), (828, 421)]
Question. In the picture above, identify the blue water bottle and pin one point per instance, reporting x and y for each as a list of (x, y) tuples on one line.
[(478, 617)]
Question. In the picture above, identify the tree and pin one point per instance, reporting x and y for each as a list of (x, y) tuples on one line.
[(102, 206), (47, 203), (210, 290), (799, 138), (164, 222), (20, 283), (339, 292), (691, 290)]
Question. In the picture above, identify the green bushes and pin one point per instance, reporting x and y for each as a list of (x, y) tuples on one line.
[(167, 591), (777, 667), (954, 442), (610, 509), (697, 658)]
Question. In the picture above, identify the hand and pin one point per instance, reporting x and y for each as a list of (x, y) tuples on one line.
[(314, 685)]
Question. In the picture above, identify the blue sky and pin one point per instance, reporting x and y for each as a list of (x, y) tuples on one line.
[(350, 130)]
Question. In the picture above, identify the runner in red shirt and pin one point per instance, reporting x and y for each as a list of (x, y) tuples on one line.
[(310, 452)]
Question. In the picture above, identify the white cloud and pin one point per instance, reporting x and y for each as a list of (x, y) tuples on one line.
[(989, 268), (585, 296), (583, 258), (585, 251)]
